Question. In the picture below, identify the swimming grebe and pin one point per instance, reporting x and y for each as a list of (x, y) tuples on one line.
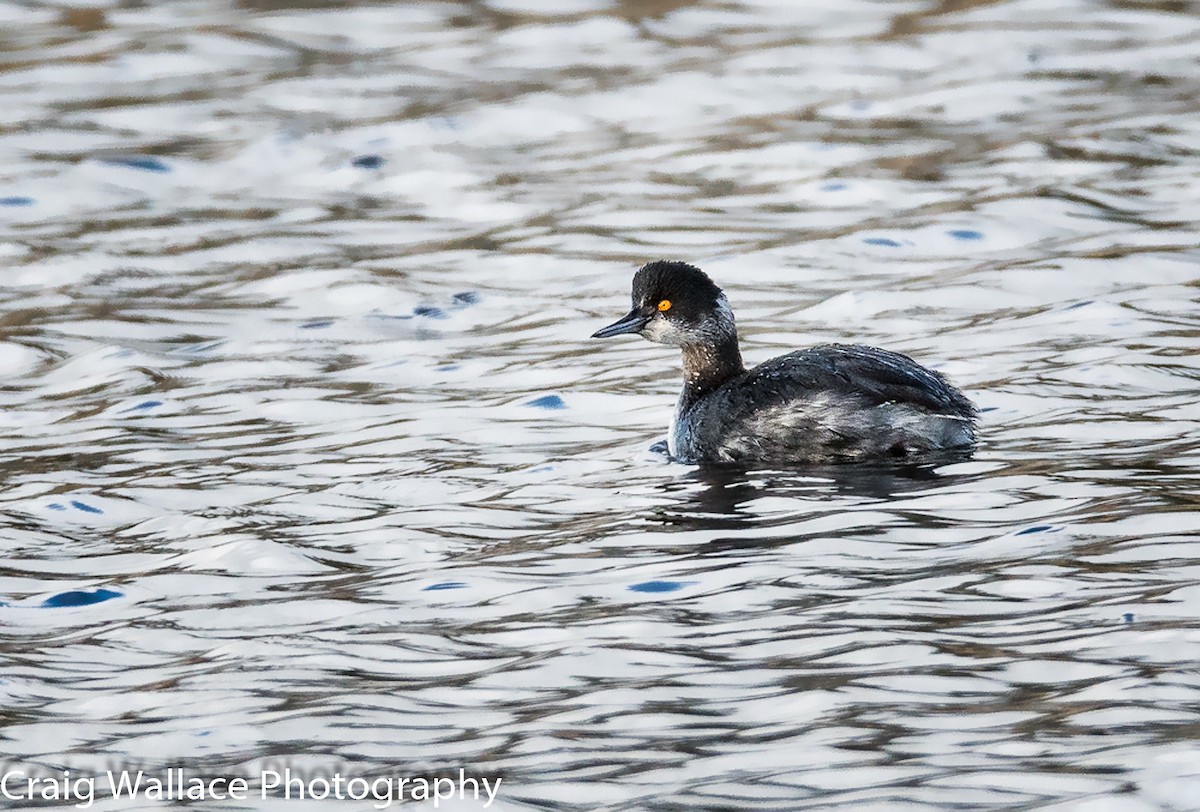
[(830, 403)]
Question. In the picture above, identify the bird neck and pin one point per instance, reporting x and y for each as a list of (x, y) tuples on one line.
[(709, 364)]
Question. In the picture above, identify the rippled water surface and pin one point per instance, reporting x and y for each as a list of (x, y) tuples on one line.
[(308, 459)]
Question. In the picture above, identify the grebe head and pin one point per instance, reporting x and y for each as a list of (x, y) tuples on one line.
[(675, 303)]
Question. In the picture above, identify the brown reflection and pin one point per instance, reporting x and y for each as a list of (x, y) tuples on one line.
[(298, 5), (1169, 6), (634, 10), (85, 19), (907, 24)]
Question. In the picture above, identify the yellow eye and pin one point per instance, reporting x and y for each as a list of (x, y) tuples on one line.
[(664, 305)]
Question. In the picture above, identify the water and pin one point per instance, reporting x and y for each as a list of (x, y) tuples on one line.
[(309, 462)]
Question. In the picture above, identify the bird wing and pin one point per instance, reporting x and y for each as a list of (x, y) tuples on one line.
[(871, 375)]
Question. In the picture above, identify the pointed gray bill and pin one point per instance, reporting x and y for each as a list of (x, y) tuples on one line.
[(632, 322)]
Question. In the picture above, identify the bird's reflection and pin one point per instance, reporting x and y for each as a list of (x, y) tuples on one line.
[(717, 496)]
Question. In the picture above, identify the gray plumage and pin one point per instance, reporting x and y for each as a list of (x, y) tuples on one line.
[(825, 404)]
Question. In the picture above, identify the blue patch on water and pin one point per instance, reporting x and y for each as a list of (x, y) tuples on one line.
[(660, 586), (988, 409), (56, 506), (200, 734), (860, 104), (833, 187), (467, 297), (1037, 528), (547, 402), (429, 312), (85, 507), (445, 585), (368, 161), (1074, 305), (1127, 617), (146, 163), (446, 368), (882, 241), (16, 200), (199, 348), (967, 234), (80, 598), (145, 404), (541, 469), (320, 324)]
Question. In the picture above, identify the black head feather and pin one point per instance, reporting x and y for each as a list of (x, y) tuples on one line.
[(689, 290)]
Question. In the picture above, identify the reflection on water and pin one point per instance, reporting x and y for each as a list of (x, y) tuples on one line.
[(310, 460)]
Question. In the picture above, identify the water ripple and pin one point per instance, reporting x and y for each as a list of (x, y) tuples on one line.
[(310, 460)]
